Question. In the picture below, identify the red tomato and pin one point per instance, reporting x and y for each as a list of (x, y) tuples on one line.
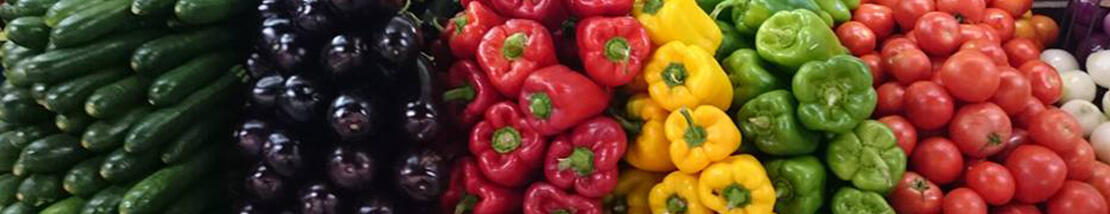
[(1080, 161), (1043, 79), (878, 18), (1017, 208), (898, 43), (1023, 28), (1100, 179), (937, 159), (1038, 173), (1045, 28), (992, 181), (875, 65), (857, 37), (967, 11), (1077, 197), (928, 105), (905, 62), (903, 130), (970, 76), (1056, 130), (970, 32), (1001, 21), (1021, 50), (891, 96), (916, 195), (980, 130), (1016, 8), (1019, 137), (906, 12), (1033, 107), (937, 33), (1013, 91), (964, 201), (887, 3)]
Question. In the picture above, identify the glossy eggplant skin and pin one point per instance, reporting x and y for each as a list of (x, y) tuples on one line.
[(264, 184), (423, 118), (313, 18), (378, 203), (274, 8), (266, 90), (250, 137), (319, 198), (354, 115), (398, 42), (351, 168), (422, 174), (345, 56), (285, 154), (304, 98), (287, 49)]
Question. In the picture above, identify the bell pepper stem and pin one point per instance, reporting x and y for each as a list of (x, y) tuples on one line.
[(462, 93), (737, 196), (615, 204), (513, 48), (505, 140), (616, 49), (540, 105), (676, 204), (695, 135), (466, 204), (832, 96), (460, 22), (652, 6), (561, 212), (674, 74), (581, 160), (762, 122), (783, 189), (725, 5)]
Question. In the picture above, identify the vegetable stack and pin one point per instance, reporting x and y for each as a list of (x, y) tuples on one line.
[(115, 106)]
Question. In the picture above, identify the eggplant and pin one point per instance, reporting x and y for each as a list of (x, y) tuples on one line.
[(273, 8), (422, 174), (267, 90), (354, 115), (399, 42), (1087, 12), (286, 49), (423, 118), (1094, 43), (264, 184), (284, 154), (258, 66), (303, 99), (376, 204), (313, 18), (351, 168), (319, 198), (250, 137), (345, 55)]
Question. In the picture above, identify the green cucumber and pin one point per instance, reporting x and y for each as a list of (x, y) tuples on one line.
[(10, 11), (8, 185), (18, 106), (160, 189), (62, 9), (8, 155), (178, 83), (122, 166), (38, 92), (107, 135), (70, 205), (14, 53), (116, 99), (196, 137), (162, 54), (28, 31), (89, 24), (73, 123), (84, 178), (195, 200), (152, 7), (48, 155), (66, 63), (19, 208), (68, 97), (163, 125), (41, 189), (6, 126), (23, 136), (105, 202), (207, 11)]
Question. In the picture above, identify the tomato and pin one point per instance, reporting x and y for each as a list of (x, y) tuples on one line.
[(1033, 107), (970, 32), (928, 105), (1038, 173), (1013, 91), (887, 3), (898, 43), (857, 37), (937, 33), (906, 63), (937, 159), (964, 201), (990, 48), (970, 76), (1046, 29), (875, 65), (906, 12), (916, 195), (1021, 50), (980, 130), (878, 18), (1001, 21), (891, 97), (1100, 179), (1023, 28), (1044, 81), (1056, 130), (1077, 197), (967, 11), (1016, 8), (992, 181), (1080, 161), (1018, 138), (1017, 208), (903, 130)]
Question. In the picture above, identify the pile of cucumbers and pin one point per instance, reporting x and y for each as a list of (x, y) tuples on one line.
[(117, 106)]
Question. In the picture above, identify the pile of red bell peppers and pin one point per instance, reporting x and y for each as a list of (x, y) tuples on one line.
[(530, 81)]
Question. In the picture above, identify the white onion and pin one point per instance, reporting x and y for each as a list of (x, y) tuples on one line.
[(1060, 59), (1086, 113), (1077, 85)]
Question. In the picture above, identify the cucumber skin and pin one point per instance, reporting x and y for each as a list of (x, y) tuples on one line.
[(70, 96), (62, 64), (68, 206), (73, 124), (49, 155), (122, 166), (207, 11), (178, 83), (107, 135), (84, 179), (91, 23), (163, 125), (114, 100), (8, 185), (28, 31), (160, 189), (162, 54), (41, 189), (105, 202)]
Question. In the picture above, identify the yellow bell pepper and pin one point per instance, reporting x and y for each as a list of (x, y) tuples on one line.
[(631, 193), (678, 20), (681, 75), (650, 143), (737, 185), (678, 194), (700, 136)]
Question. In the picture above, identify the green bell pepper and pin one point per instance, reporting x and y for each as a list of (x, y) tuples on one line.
[(837, 9), (749, 78), (834, 95), (852, 4), (768, 121), (868, 156), (792, 38), (799, 184), (730, 40), (853, 201), (749, 15)]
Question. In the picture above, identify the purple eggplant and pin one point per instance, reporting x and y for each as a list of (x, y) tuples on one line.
[(319, 198), (422, 174), (284, 154), (351, 168), (354, 115), (1086, 12), (264, 184), (250, 137)]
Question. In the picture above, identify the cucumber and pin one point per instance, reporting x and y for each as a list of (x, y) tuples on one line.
[(161, 188), (8, 155), (70, 205), (84, 179), (39, 6), (28, 31), (23, 136), (152, 7), (89, 24), (73, 123), (200, 134), (19, 208), (159, 55), (48, 155), (38, 92), (163, 125), (62, 9), (10, 11), (18, 106), (178, 83), (122, 166), (207, 11), (8, 185), (114, 100), (69, 96), (6, 126), (107, 135), (14, 53), (194, 201), (105, 202), (66, 63), (41, 189)]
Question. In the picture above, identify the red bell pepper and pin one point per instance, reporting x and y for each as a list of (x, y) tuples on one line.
[(613, 50), (469, 192), (465, 31), (586, 159), (550, 12), (471, 92), (556, 98), (508, 151), (591, 8), (543, 198), (510, 52)]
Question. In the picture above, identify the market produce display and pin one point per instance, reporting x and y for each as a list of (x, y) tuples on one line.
[(110, 109)]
